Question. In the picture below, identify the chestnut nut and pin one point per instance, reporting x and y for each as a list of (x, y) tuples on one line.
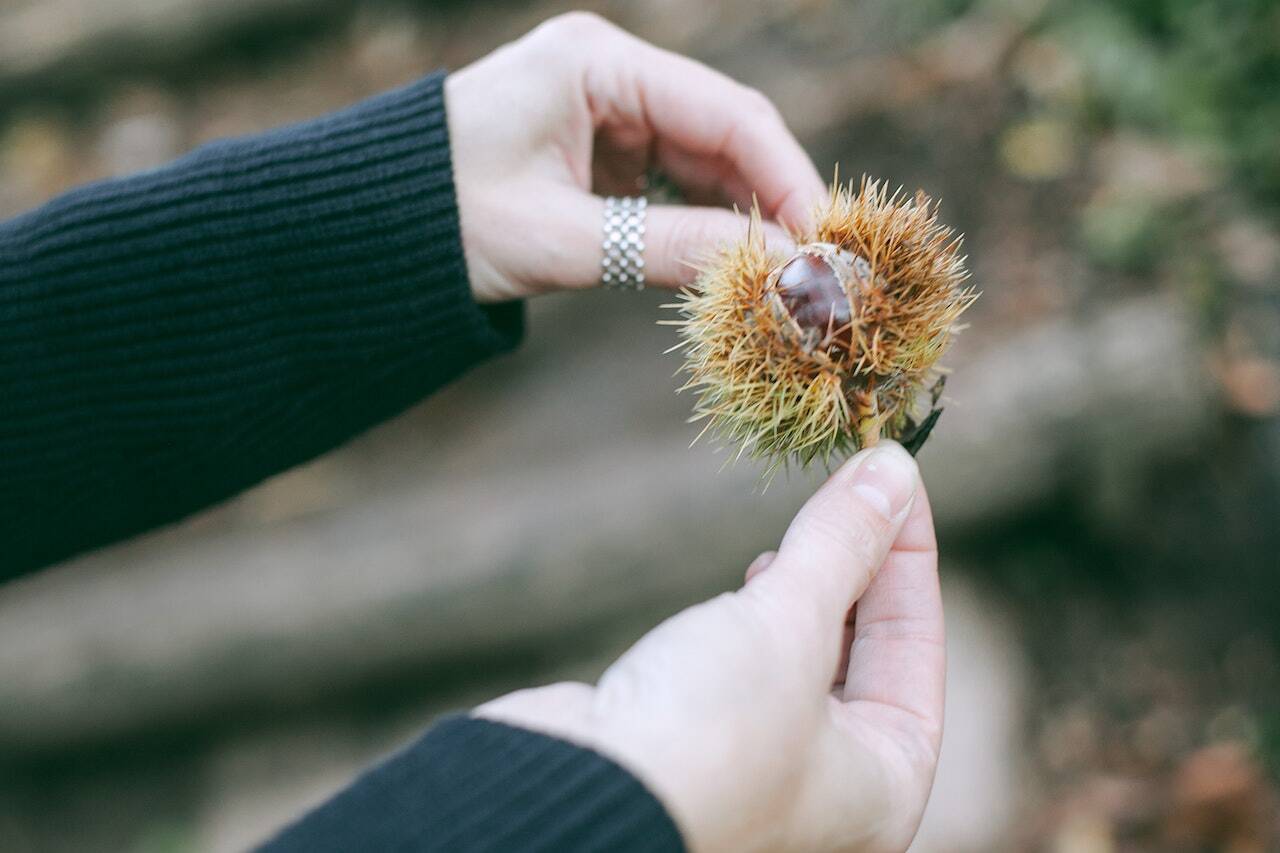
[(816, 290)]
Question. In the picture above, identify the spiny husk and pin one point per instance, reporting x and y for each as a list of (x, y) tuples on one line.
[(760, 390)]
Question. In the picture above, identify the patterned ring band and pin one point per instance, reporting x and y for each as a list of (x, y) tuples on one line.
[(622, 267)]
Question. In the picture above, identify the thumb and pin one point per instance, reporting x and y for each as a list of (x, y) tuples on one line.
[(841, 536), (679, 237)]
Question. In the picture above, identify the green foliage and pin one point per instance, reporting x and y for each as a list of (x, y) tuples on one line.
[(1124, 233), (1201, 73)]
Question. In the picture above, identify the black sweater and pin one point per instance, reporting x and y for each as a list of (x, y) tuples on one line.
[(172, 338)]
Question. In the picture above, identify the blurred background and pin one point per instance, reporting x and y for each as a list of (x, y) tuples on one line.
[(1106, 479)]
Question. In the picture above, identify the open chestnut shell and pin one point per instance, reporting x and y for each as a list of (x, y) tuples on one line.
[(825, 350)]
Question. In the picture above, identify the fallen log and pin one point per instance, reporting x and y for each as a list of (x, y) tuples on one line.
[(528, 531)]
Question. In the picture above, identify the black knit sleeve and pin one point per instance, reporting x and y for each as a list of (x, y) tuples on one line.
[(171, 338), (473, 785)]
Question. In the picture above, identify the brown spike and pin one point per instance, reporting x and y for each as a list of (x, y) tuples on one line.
[(822, 352)]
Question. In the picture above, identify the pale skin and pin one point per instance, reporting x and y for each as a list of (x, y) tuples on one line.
[(543, 127), (778, 716)]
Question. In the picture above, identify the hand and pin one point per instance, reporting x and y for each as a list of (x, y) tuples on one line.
[(769, 718), (577, 106)]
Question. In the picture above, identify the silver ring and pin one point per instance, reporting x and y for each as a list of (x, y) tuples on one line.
[(622, 266)]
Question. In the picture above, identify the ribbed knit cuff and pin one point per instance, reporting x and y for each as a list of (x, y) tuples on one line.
[(476, 785)]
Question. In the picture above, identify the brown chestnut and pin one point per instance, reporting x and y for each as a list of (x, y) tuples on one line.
[(814, 289)]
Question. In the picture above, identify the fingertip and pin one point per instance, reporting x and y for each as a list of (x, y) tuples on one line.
[(839, 539), (799, 209), (884, 478)]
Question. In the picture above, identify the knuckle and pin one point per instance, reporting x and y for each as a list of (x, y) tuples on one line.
[(565, 42), (854, 534), (792, 620), (759, 103), (690, 236), (578, 24), (693, 235), (710, 230), (672, 243)]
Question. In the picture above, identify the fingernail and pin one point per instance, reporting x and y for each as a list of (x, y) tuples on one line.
[(886, 479)]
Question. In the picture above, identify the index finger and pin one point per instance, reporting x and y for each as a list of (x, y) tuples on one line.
[(710, 114)]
